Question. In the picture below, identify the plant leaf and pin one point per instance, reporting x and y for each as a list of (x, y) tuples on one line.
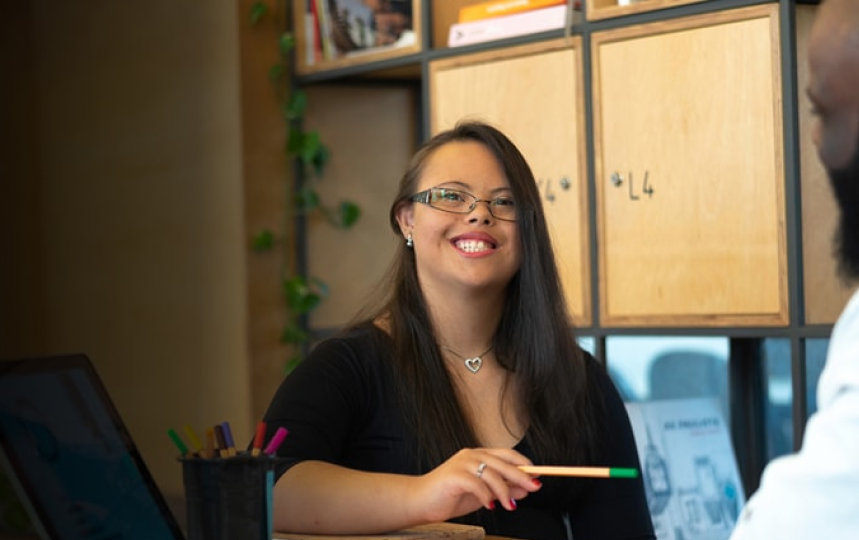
[(307, 199), (287, 42), (349, 214), (263, 241), (293, 334), (275, 72), (300, 296), (320, 159), (297, 105), (309, 147), (258, 9), (295, 141)]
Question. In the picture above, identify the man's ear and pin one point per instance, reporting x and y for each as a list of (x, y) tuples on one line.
[(406, 218)]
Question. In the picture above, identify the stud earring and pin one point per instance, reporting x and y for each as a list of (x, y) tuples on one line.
[(410, 242)]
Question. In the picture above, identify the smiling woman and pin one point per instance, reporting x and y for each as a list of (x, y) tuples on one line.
[(426, 407)]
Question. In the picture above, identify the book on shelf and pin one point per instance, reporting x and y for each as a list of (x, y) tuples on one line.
[(353, 27), (517, 24), (312, 41), (499, 8), (323, 20)]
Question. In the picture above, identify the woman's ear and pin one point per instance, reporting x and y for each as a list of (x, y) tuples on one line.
[(406, 218)]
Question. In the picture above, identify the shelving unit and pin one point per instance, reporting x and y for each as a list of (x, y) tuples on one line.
[(342, 48), (772, 259)]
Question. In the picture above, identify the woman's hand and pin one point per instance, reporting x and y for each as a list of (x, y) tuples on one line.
[(470, 479)]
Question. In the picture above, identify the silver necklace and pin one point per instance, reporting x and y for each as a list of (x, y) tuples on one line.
[(474, 363)]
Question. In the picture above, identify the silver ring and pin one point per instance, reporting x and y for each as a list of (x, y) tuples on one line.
[(480, 469)]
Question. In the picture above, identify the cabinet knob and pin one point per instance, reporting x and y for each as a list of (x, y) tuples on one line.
[(616, 179)]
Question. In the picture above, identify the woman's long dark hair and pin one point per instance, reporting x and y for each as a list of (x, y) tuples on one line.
[(534, 338)]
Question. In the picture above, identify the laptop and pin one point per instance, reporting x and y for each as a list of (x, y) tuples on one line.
[(73, 463)]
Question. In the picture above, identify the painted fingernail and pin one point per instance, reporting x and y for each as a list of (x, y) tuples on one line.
[(513, 504), (537, 483), (491, 505)]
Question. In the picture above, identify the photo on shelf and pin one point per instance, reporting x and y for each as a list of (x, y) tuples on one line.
[(357, 26)]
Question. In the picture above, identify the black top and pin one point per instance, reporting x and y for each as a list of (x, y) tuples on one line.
[(340, 406)]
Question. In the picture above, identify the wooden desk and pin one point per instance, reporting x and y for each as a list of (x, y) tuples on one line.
[(435, 531)]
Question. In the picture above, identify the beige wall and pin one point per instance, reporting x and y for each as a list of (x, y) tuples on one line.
[(126, 207), (20, 301)]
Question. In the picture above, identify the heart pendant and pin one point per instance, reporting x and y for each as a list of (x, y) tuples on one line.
[(473, 364)]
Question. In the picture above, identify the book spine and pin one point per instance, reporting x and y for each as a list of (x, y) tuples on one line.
[(310, 39), (499, 8), (317, 32), (527, 22), (324, 17)]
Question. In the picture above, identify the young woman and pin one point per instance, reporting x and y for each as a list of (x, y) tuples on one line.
[(424, 410)]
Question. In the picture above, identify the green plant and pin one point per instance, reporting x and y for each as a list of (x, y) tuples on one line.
[(302, 294)]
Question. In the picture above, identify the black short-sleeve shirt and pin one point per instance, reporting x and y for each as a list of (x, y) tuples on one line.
[(340, 406)]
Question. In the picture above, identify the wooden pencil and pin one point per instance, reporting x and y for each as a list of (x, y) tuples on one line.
[(592, 472)]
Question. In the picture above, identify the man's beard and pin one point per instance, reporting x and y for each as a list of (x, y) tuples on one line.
[(845, 185)]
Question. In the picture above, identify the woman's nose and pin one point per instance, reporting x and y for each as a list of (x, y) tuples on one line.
[(481, 212)]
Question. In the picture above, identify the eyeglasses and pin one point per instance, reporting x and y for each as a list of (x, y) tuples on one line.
[(461, 202)]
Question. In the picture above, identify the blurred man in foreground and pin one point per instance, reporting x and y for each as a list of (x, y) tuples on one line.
[(814, 494)]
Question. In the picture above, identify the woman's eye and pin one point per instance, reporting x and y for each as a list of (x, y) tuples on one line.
[(504, 201), (450, 195)]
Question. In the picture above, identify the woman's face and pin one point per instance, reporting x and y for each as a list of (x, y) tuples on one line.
[(472, 252)]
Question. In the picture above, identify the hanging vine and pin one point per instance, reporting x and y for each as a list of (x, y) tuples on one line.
[(302, 294)]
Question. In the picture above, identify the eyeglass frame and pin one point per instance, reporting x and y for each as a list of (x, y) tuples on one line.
[(423, 197)]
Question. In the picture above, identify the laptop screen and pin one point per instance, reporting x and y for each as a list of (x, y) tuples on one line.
[(72, 457)]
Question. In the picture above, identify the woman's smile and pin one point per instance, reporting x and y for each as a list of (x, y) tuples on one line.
[(475, 244)]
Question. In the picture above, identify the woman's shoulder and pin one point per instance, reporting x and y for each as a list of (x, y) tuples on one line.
[(361, 347), (359, 336), (596, 370)]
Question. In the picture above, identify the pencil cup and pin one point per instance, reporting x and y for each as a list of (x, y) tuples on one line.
[(229, 499)]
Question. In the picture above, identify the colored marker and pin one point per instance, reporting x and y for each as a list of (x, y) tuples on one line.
[(209, 451), (195, 442), (275, 441), (221, 446), (178, 442), (593, 472), (228, 439), (258, 438)]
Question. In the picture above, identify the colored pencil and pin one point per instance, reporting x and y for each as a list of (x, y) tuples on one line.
[(228, 439), (592, 472), (259, 438), (209, 451), (275, 441), (195, 441), (177, 441), (221, 446)]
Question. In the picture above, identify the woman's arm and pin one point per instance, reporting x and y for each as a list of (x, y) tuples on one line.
[(320, 498)]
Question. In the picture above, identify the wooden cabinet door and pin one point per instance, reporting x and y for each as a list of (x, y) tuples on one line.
[(533, 93), (692, 108)]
